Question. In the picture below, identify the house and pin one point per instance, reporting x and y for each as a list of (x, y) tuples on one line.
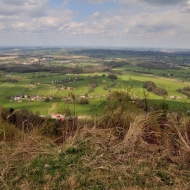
[(17, 98), (58, 117), (78, 78), (40, 97), (32, 97), (30, 85), (174, 97)]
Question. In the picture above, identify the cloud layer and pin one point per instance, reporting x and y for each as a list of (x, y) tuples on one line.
[(125, 23)]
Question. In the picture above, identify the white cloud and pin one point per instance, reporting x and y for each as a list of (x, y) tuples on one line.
[(35, 21), (151, 2), (1, 26), (27, 7), (31, 16), (96, 1)]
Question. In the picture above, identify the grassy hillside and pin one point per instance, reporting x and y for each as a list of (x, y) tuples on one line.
[(125, 136), (126, 148)]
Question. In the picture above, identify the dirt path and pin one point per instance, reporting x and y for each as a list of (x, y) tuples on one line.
[(53, 106)]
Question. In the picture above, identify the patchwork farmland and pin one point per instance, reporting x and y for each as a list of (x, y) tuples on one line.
[(82, 80)]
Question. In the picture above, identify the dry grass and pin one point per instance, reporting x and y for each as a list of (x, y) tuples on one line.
[(111, 155), (134, 133), (94, 158), (179, 125), (19, 153)]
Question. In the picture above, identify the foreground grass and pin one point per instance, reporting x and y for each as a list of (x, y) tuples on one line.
[(91, 159)]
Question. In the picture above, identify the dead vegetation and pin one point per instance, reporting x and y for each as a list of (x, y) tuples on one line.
[(124, 149)]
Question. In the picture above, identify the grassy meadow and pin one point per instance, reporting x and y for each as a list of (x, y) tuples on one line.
[(44, 86), (130, 76)]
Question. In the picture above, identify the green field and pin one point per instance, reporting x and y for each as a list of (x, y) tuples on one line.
[(59, 86), (124, 81)]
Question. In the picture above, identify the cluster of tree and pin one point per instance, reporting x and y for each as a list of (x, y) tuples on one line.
[(112, 76), (154, 65), (25, 68), (158, 65), (83, 101), (185, 90), (53, 69), (114, 64), (106, 87), (9, 80), (91, 86), (151, 87), (104, 53), (113, 83), (22, 119)]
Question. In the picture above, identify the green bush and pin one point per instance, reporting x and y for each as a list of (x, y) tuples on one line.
[(9, 132), (48, 127), (119, 112)]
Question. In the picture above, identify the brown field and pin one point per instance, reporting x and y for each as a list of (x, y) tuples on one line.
[(69, 56), (8, 57)]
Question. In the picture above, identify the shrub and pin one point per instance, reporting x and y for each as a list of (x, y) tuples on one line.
[(47, 99), (119, 112), (9, 132), (151, 87), (84, 101), (48, 127), (112, 76), (160, 91)]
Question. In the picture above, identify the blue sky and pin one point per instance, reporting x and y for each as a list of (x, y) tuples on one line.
[(115, 23), (84, 8)]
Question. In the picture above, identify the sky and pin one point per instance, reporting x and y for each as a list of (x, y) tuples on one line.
[(106, 23)]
